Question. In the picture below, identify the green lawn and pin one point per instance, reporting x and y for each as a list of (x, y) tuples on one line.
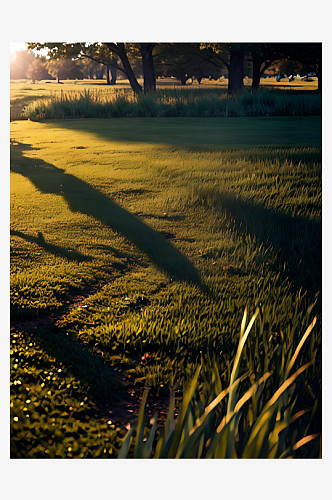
[(178, 224)]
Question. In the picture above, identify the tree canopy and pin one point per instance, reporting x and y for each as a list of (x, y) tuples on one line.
[(185, 60), (262, 56), (38, 70), (109, 53)]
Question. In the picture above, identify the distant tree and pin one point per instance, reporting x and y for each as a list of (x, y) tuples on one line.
[(234, 56), (98, 54), (290, 67), (310, 54), (38, 70), (231, 56), (263, 55), (110, 70), (19, 63), (91, 69), (184, 61), (112, 54), (290, 58), (64, 69)]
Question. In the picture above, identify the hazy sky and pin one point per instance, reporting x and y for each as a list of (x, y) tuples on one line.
[(17, 46)]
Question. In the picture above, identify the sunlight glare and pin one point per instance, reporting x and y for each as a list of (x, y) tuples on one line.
[(17, 46)]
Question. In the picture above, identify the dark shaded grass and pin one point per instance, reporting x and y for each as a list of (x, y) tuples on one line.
[(211, 135), (68, 253), (53, 379), (295, 241)]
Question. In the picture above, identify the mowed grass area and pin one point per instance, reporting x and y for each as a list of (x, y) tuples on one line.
[(175, 226)]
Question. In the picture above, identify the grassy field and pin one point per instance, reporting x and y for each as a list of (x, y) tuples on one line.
[(167, 228), (23, 92)]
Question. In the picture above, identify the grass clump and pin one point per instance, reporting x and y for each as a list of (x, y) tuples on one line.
[(171, 103), (257, 422)]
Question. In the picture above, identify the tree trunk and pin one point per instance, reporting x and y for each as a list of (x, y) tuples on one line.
[(318, 71), (113, 75), (183, 79), (121, 51), (235, 72), (111, 70), (148, 67), (256, 73)]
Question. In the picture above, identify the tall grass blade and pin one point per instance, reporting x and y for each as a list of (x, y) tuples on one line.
[(236, 364), (148, 448), (180, 426), (188, 445), (125, 447), (299, 347), (257, 442), (306, 440), (243, 322), (138, 449)]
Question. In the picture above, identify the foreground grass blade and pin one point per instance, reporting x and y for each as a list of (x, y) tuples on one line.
[(306, 440), (202, 422), (138, 449), (148, 448), (302, 341), (265, 422), (236, 364), (125, 447), (181, 420), (267, 435)]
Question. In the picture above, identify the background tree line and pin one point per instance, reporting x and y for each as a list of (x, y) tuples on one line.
[(183, 61)]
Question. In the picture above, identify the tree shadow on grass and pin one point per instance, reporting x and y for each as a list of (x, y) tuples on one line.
[(296, 241), (81, 197), (68, 253), (86, 366), (232, 133)]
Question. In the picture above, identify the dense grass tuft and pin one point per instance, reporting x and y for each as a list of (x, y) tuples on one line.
[(237, 419), (171, 103)]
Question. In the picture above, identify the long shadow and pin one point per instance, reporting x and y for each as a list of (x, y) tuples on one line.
[(81, 197), (296, 241), (229, 133), (68, 253), (83, 364)]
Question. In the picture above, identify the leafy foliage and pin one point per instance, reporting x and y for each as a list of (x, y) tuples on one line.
[(184, 61), (37, 70)]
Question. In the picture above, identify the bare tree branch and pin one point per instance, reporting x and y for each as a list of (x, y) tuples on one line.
[(113, 65)]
